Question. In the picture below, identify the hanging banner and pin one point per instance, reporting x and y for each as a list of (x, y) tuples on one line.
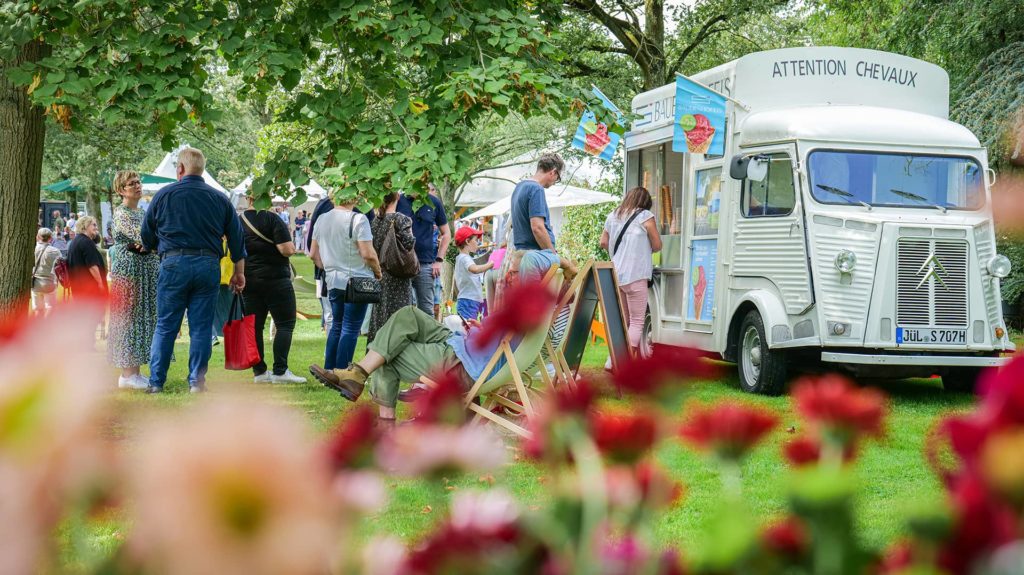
[(699, 119), (593, 137)]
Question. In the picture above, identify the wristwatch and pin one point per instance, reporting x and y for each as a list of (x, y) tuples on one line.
[(439, 260)]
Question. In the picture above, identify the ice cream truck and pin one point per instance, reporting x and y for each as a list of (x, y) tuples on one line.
[(847, 226)]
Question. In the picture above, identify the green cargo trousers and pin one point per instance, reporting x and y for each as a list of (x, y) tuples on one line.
[(413, 344)]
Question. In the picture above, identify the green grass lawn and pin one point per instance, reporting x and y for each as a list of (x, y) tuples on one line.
[(893, 473)]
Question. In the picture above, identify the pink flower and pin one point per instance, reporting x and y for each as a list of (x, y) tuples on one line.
[(527, 307), (52, 401), (233, 487), (351, 446), (384, 555), (442, 403), (728, 428), (663, 371), (434, 450), (487, 511), (837, 407)]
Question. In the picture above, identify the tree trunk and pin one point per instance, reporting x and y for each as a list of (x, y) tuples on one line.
[(654, 44), (92, 206), (22, 131)]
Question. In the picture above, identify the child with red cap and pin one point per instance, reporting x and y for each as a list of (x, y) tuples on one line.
[(468, 273)]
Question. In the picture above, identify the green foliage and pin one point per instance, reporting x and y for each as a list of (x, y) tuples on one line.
[(1012, 246), (991, 103), (580, 237)]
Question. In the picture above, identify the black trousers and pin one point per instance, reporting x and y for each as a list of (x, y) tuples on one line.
[(276, 297)]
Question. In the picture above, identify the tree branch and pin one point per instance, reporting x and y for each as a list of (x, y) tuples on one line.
[(704, 33), (628, 10), (607, 49), (624, 31)]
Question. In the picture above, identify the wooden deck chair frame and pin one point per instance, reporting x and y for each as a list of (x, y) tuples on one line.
[(489, 383), (562, 371)]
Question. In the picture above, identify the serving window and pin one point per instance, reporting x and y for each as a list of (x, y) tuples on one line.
[(661, 174)]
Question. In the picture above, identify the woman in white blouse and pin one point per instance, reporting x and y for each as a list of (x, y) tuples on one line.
[(631, 237)]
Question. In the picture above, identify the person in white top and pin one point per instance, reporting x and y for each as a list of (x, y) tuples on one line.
[(44, 280), (343, 247), (631, 237)]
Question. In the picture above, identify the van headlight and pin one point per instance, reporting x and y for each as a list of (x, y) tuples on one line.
[(999, 266), (846, 261)]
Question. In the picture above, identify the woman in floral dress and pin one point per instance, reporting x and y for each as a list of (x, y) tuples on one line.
[(133, 276), (396, 293)]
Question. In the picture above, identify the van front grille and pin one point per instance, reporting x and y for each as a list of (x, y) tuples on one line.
[(931, 283)]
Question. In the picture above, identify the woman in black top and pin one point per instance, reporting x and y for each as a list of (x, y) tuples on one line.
[(268, 289), (87, 271)]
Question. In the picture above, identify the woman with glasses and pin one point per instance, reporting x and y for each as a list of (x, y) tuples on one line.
[(133, 276)]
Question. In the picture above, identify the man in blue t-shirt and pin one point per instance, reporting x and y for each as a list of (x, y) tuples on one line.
[(531, 220)]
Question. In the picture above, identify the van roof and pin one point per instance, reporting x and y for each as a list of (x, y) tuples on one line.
[(854, 124)]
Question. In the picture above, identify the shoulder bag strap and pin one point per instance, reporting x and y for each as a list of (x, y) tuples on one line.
[(255, 231), (39, 258), (622, 232)]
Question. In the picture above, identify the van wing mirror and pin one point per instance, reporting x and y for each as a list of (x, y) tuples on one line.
[(753, 167)]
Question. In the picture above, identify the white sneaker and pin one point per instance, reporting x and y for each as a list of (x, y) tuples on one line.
[(132, 382), (287, 377), (265, 377)]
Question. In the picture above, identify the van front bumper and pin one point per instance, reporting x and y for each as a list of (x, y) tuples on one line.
[(922, 360)]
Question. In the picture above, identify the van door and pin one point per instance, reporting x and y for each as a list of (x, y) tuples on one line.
[(770, 245)]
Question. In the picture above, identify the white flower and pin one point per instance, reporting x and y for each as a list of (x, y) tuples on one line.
[(431, 449)]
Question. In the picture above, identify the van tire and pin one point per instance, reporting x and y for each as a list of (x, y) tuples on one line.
[(961, 379), (762, 370), (647, 336)]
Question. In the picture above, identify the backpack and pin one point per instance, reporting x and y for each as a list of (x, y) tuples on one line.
[(60, 269)]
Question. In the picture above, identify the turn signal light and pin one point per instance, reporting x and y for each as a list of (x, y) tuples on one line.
[(1000, 332)]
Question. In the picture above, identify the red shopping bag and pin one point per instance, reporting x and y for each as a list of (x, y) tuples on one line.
[(240, 338)]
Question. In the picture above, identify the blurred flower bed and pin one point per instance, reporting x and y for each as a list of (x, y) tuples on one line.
[(231, 485)]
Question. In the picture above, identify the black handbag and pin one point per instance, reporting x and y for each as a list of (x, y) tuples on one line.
[(361, 290)]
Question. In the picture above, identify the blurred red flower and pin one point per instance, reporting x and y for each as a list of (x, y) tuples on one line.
[(527, 306), (657, 489), (578, 398), (897, 558), (352, 443), (837, 407), (624, 437), (663, 370), (728, 428), (982, 524), (442, 402), (807, 451), (787, 537)]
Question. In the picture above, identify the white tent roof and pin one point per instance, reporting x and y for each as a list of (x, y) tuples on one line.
[(558, 196), (167, 170), (313, 189), (490, 186)]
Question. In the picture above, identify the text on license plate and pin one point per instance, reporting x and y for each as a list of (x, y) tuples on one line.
[(907, 335)]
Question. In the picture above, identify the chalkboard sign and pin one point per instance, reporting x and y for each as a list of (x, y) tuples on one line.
[(598, 290)]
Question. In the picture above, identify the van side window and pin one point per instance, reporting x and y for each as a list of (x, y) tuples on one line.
[(775, 195)]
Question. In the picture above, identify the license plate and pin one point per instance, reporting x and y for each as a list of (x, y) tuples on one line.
[(927, 335)]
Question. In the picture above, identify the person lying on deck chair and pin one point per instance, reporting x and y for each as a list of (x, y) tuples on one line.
[(409, 345)]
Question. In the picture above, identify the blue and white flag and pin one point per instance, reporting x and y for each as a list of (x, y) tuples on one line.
[(700, 119), (593, 137)]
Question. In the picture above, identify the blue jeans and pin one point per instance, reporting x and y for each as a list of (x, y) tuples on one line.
[(185, 282), (468, 309), (341, 340), (423, 288)]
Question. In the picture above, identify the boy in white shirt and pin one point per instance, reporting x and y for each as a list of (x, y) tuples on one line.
[(468, 273)]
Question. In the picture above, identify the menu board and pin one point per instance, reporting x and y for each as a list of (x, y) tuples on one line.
[(700, 298)]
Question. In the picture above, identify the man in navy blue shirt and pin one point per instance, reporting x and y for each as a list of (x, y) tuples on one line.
[(185, 224), (429, 254), (531, 220)]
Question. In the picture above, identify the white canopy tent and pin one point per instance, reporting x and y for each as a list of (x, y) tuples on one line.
[(167, 167), (559, 197), (492, 185), (314, 191)]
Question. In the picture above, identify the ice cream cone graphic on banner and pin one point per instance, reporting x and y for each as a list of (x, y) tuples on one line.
[(700, 284), (700, 119)]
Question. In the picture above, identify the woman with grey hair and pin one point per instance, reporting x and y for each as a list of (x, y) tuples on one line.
[(44, 280), (133, 279)]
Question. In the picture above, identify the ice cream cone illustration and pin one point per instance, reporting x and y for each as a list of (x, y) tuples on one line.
[(699, 132), (597, 140), (700, 283)]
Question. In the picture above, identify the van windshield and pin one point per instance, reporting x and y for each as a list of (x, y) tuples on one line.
[(896, 180)]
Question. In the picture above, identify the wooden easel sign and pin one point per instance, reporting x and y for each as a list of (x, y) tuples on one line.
[(598, 290)]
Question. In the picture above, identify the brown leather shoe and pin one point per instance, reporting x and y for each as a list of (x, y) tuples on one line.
[(348, 382)]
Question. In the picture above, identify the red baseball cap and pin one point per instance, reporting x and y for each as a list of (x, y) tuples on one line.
[(463, 234)]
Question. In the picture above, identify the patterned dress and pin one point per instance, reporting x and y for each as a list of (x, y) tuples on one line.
[(396, 293), (132, 293)]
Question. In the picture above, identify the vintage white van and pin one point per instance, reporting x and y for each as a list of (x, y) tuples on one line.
[(848, 223)]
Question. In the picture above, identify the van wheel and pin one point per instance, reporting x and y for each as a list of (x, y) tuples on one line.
[(961, 379), (762, 370), (647, 336)]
